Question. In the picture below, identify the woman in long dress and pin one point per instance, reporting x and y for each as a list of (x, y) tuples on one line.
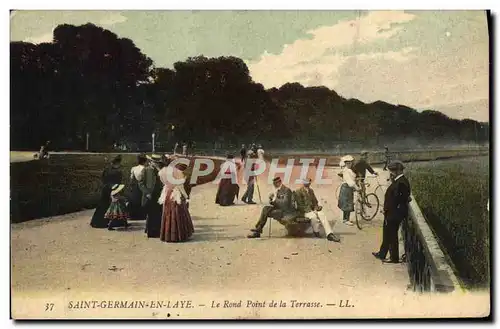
[(117, 214), (346, 198), (111, 175), (227, 190), (176, 225)]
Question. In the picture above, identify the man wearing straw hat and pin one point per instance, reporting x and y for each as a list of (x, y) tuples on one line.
[(308, 206), (396, 200), (280, 208)]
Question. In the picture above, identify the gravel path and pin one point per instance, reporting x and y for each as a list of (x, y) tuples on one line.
[(60, 259)]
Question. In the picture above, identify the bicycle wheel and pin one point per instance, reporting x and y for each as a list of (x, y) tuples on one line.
[(370, 208)]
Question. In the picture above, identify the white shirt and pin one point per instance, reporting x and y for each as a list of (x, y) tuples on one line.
[(349, 177), (136, 172)]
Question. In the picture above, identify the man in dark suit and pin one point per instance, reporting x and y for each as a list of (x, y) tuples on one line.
[(281, 208), (397, 198)]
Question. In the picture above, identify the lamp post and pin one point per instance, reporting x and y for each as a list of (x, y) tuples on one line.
[(87, 142), (153, 136)]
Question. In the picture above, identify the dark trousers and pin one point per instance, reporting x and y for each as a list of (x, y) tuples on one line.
[(267, 211), (347, 215), (390, 242), (248, 196)]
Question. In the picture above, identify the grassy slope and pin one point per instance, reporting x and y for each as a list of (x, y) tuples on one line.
[(453, 196)]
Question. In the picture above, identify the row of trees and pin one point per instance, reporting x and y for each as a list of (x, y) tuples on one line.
[(88, 80)]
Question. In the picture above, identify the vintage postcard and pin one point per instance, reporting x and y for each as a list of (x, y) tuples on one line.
[(249, 164)]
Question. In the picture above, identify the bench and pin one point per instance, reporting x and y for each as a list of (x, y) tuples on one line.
[(297, 227)]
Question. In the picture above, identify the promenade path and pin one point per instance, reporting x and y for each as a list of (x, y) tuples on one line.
[(62, 258)]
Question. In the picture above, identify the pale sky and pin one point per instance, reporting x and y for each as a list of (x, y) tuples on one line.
[(422, 59)]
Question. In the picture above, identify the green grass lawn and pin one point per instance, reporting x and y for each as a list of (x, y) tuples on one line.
[(453, 195), (61, 184)]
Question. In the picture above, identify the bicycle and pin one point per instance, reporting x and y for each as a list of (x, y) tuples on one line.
[(379, 188), (367, 207)]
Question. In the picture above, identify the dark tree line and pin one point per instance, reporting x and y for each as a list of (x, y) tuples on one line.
[(88, 80)]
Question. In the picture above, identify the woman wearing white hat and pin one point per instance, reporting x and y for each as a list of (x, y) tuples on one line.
[(346, 198)]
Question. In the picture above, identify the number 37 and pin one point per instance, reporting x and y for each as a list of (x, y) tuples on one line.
[(49, 307)]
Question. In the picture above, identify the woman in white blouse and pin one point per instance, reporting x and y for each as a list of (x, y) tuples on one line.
[(176, 224), (346, 198)]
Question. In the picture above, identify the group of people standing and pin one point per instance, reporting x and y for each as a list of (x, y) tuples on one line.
[(149, 196), (228, 190), (253, 150)]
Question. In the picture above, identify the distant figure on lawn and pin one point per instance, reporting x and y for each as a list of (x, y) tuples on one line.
[(44, 152), (184, 149), (117, 214), (111, 175), (387, 157), (228, 187)]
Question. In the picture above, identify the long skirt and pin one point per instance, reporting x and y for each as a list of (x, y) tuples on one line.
[(226, 192), (346, 198), (176, 225), (117, 214), (98, 220), (154, 219)]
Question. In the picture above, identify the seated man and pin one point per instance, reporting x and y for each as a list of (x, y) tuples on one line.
[(307, 206), (281, 208)]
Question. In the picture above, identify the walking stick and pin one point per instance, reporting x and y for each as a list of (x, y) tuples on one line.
[(258, 189), (270, 224)]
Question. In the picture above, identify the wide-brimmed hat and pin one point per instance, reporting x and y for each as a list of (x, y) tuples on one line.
[(276, 179), (396, 165), (117, 188), (154, 157), (347, 158), (306, 181)]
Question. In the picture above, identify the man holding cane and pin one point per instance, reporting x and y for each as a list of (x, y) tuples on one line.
[(280, 208)]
